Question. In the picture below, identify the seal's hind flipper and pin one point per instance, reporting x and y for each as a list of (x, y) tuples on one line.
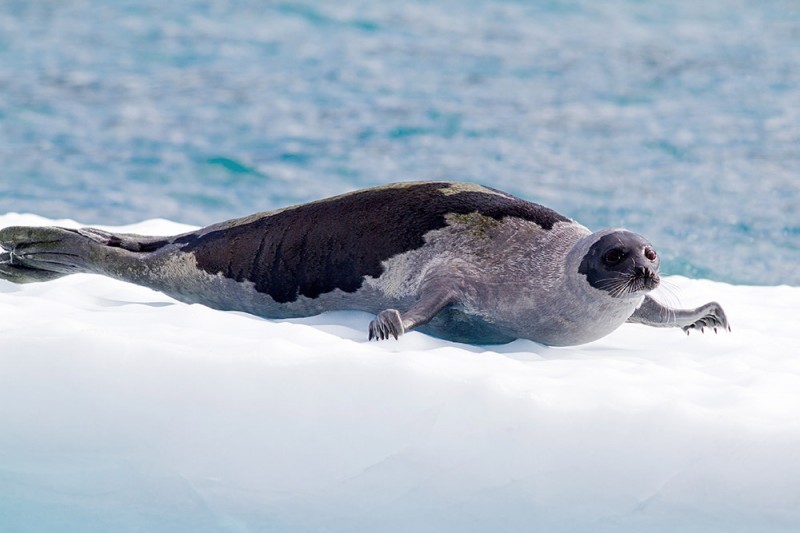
[(22, 274), (126, 241), (45, 253), (42, 253)]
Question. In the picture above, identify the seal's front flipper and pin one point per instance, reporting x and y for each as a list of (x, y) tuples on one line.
[(393, 323), (709, 315), (652, 313), (387, 323)]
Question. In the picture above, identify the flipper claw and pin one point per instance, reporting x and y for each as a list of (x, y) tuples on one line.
[(387, 323)]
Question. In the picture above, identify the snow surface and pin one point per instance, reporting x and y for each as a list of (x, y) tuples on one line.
[(123, 410)]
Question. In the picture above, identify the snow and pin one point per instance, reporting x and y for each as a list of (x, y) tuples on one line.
[(124, 410)]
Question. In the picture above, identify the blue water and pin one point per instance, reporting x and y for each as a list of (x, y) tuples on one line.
[(678, 119)]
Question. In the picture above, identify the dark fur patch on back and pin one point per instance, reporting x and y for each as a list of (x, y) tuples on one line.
[(315, 248)]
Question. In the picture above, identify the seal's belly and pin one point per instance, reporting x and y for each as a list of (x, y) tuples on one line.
[(580, 324), (455, 325)]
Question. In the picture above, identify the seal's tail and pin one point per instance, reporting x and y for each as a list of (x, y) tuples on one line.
[(35, 254)]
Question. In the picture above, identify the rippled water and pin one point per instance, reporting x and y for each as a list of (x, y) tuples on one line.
[(678, 119)]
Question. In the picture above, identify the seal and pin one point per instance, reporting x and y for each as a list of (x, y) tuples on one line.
[(459, 261)]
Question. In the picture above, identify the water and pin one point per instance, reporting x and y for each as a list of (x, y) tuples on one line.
[(677, 119)]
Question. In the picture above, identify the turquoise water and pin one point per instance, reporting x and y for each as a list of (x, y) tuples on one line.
[(678, 119)]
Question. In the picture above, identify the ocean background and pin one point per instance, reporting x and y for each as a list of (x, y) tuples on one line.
[(677, 119)]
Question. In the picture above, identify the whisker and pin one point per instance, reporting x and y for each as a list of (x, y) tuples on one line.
[(614, 286)]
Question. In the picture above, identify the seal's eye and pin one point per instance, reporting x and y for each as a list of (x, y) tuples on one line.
[(650, 254), (613, 257)]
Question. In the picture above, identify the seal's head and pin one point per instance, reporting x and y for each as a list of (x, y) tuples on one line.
[(621, 263)]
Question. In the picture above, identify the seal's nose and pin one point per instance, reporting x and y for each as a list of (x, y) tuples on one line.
[(647, 276)]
